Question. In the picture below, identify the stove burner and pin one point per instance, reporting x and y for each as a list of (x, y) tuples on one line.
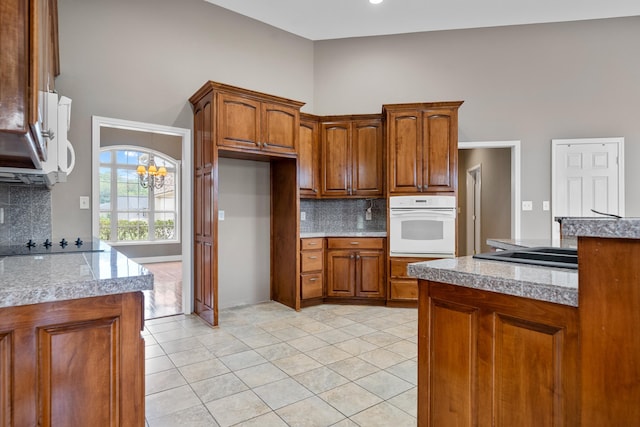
[(48, 247)]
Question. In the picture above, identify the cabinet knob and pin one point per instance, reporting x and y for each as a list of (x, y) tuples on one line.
[(419, 187), (315, 190), (351, 256), (358, 256)]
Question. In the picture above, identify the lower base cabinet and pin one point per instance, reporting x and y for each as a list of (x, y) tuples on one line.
[(73, 363), (487, 359), (355, 268), (403, 289)]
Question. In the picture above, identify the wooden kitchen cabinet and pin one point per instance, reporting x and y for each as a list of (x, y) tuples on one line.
[(252, 122), (355, 268), (73, 363), (352, 156), (28, 64), (309, 156), (422, 142), (403, 289), (311, 270), (489, 359)]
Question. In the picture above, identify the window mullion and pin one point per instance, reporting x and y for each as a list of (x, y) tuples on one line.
[(114, 198)]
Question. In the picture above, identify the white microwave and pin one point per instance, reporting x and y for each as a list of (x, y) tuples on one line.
[(61, 157), (422, 226)]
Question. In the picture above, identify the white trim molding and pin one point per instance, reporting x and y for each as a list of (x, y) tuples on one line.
[(515, 176), (186, 182)]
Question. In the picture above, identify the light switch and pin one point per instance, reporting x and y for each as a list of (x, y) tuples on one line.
[(303, 216), (84, 202), (527, 205), (545, 205), (221, 215)]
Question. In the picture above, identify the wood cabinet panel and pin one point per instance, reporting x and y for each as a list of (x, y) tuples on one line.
[(335, 159), (352, 156), (311, 243), (238, 122), (403, 289), (311, 285), (309, 156), (341, 276), (370, 274), (422, 141), (311, 261), (280, 128), (355, 243), (75, 362), (488, 359), (311, 268)]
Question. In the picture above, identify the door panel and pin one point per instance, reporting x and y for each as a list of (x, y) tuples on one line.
[(370, 268), (405, 153), (280, 128), (340, 274), (308, 161), (367, 174), (335, 159), (439, 151), (238, 122)]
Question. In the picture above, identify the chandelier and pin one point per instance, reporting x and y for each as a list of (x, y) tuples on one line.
[(153, 177)]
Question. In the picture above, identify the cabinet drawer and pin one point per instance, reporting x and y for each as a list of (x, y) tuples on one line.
[(355, 243), (404, 289), (311, 261), (311, 243), (398, 266), (311, 285)]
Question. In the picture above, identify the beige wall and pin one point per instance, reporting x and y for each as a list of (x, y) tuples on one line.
[(141, 60), (495, 202), (530, 83), (244, 236)]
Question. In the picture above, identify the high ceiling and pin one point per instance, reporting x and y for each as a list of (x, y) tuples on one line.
[(334, 19)]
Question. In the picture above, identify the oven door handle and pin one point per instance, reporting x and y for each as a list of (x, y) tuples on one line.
[(423, 213)]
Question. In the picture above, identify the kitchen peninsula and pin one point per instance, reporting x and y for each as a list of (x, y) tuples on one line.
[(507, 344), (70, 346)]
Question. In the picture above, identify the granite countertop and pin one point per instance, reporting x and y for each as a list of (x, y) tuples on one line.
[(305, 235), (625, 228), (556, 285), (33, 279)]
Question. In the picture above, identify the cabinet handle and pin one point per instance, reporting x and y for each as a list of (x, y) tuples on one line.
[(312, 243), (313, 257), (419, 187), (355, 243), (313, 279), (358, 256), (315, 190), (351, 256)]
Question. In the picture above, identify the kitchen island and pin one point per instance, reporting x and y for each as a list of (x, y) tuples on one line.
[(70, 346), (506, 344)]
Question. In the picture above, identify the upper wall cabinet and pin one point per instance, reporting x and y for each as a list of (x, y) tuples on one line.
[(28, 64), (352, 156), (423, 147), (253, 122), (309, 156)]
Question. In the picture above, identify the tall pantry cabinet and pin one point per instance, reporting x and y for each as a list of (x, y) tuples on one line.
[(243, 124)]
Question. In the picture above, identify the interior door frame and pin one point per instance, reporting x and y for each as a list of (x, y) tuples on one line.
[(186, 183), (474, 182), (555, 227), (516, 166)]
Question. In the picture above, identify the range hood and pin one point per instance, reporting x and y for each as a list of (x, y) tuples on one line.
[(60, 156)]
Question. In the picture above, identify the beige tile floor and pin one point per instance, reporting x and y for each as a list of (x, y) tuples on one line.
[(269, 366)]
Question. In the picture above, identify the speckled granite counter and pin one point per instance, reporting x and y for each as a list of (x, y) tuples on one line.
[(34, 279), (556, 285), (626, 228), (344, 234)]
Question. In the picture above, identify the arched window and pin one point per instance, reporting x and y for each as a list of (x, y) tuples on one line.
[(131, 212)]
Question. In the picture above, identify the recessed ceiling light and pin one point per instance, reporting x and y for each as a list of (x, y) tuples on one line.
[(375, 1)]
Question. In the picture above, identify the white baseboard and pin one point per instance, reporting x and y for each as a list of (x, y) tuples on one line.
[(155, 259)]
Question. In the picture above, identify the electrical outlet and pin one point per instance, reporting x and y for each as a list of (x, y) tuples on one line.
[(220, 215), (367, 214), (84, 202), (545, 205), (303, 216), (527, 205)]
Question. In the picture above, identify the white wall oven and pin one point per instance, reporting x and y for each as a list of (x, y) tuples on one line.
[(422, 226)]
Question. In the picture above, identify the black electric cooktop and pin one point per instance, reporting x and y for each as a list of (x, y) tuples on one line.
[(48, 247)]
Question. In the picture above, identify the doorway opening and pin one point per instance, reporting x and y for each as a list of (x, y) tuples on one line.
[(474, 209), (500, 183)]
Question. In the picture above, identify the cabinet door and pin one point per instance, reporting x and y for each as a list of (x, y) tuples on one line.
[(405, 152), (370, 274), (340, 274), (336, 159), (367, 175), (238, 122), (440, 150), (308, 158), (280, 128)]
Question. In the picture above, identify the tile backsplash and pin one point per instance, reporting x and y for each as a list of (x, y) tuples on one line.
[(26, 213), (337, 215)]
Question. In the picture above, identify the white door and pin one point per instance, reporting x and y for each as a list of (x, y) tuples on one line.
[(587, 174)]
